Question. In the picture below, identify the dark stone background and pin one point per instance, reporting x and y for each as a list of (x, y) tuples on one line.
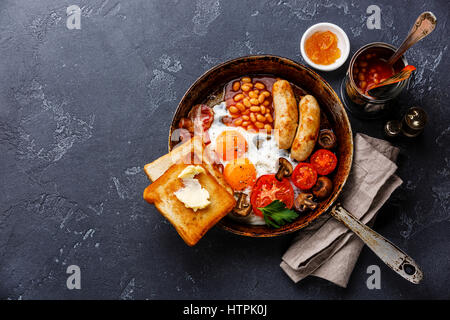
[(82, 111)]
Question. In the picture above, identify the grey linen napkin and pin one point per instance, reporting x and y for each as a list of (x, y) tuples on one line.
[(326, 248)]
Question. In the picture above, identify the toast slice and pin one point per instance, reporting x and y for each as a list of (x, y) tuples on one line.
[(191, 152), (190, 225), (184, 153)]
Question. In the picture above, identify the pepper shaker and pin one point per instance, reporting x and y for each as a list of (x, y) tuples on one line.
[(414, 122), (393, 128)]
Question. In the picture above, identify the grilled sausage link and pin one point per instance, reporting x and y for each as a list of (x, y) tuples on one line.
[(308, 129), (286, 113)]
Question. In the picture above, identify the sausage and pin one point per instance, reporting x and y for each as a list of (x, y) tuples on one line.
[(286, 113), (308, 129)]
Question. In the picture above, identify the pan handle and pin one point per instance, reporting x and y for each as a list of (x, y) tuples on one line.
[(396, 259)]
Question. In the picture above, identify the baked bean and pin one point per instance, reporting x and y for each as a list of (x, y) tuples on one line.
[(259, 125), (260, 85), (253, 94), (233, 109), (226, 120), (373, 69), (238, 97), (240, 106), (261, 98), (254, 101), (251, 109), (260, 118)]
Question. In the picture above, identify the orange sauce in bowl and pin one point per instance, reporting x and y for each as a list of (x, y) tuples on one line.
[(321, 47)]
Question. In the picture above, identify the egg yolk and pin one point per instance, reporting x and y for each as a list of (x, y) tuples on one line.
[(240, 174), (231, 145)]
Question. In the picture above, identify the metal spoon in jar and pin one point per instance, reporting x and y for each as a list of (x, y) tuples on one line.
[(423, 26)]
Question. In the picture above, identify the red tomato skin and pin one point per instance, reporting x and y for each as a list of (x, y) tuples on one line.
[(270, 181), (302, 182), (324, 161)]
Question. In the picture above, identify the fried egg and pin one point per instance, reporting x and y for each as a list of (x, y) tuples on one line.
[(245, 155)]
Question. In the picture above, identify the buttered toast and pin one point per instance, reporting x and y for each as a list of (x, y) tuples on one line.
[(191, 225), (193, 152), (189, 152)]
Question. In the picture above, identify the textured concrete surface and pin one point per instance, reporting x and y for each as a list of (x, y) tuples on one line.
[(81, 112)]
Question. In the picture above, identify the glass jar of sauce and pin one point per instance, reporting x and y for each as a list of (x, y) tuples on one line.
[(367, 68)]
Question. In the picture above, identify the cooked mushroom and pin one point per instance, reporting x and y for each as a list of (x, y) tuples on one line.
[(305, 202), (327, 139), (284, 169), (219, 167), (243, 206), (322, 188)]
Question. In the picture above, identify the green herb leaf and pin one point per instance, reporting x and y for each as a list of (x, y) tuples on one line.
[(276, 214)]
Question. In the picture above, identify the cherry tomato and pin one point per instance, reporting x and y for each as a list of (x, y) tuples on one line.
[(202, 116), (304, 176), (267, 189), (324, 161)]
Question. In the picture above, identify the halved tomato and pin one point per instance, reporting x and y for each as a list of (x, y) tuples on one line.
[(324, 161), (304, 176), (267, 189)]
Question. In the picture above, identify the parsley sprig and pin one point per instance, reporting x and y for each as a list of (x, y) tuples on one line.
[(276, 214)]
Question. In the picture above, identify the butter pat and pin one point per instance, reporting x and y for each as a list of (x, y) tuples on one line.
[(192, 194), (190, 172)]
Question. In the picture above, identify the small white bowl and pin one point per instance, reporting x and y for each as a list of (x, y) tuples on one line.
[(343, 44)]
